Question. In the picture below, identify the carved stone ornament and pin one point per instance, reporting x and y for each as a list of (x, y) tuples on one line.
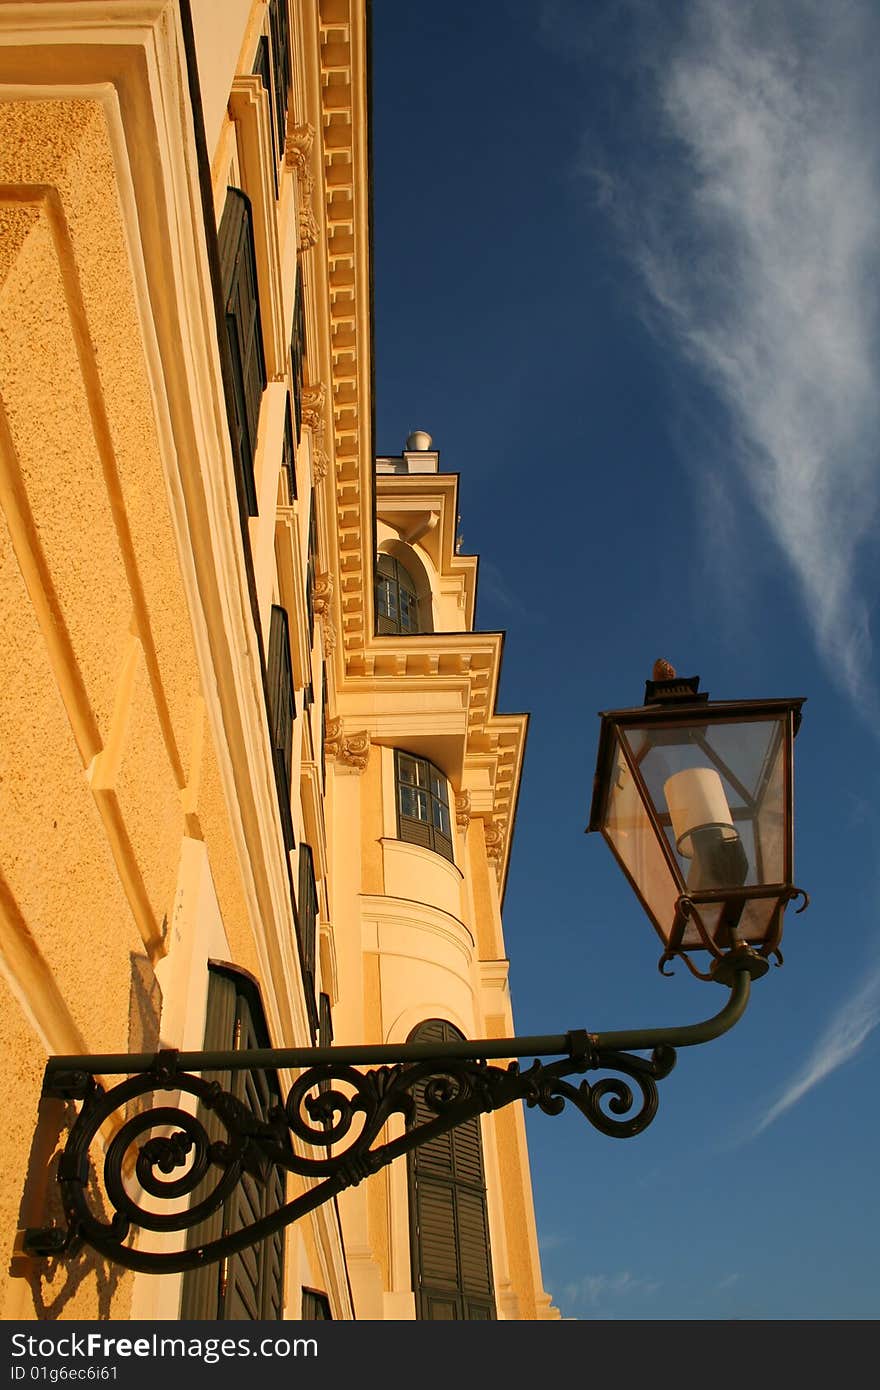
[(328, 636), (332, 737), (298, 150), (313, 398), (322, 593), (463, 809), (494, 841), (355, 751), (320, 464), (309, 226), (352, 750)]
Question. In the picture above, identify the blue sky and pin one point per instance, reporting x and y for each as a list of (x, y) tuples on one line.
[(626, 262)]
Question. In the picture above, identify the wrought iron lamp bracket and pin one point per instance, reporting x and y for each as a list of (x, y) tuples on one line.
[(336, 1114)]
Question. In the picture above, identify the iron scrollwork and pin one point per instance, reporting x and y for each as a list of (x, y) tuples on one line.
[(163, 1172)]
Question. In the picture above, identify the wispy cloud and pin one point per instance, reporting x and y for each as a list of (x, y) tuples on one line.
[(553, 1242), (494, 584), (748, 197), (849, 1029), (594, 1290)]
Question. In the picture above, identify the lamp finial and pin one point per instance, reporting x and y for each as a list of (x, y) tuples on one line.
[(663, 670)]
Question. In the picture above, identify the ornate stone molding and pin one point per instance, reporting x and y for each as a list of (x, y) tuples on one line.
[(328, 635), (298, 150), (309, 227), (320, 461), (298, 157), (322, 593), (463, 809), (494, 836), (352, 750), (313, 398)]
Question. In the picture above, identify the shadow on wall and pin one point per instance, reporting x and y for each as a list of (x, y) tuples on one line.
[(55, 1281)]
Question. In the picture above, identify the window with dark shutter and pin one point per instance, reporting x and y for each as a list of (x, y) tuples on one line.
[(250, 1285), (449, 1225), (315, 1306), (307, 917), (288, 453), (298, 351), (312, 573), (244, 335), (423, 804), (397, 604), (263, 70), (282, 712), (279, 27)]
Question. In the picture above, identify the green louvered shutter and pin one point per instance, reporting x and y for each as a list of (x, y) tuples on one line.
[(248, 1286), (449, 1227), (281, 712), (244, 335)]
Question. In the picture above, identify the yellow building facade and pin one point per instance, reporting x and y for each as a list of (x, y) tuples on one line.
[(255, 788)]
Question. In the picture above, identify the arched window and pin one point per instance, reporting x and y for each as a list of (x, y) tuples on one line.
[(423, 804), (397, 602), (448, 1221), (248, 1286)]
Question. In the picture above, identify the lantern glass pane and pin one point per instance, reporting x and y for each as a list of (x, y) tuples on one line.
[(718, 792), (633, 838)]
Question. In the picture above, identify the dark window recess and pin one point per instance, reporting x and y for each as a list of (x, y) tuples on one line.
[(423, 805), (279, 27), (298, 352), (315, 1306), (250, 1285), (307, 923), (263, 69), (312, 573), (325, 1036), (282, 712), (324, 724), (325, 1021), (288, 453), (397, 605), (449, 1226), (244, 335)]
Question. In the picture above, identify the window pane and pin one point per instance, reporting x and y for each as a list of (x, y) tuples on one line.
[(441, 816), (413, 803), (407, 768), (407, 612), (385, 598)]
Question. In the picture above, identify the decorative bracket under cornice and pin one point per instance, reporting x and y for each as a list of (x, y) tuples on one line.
[(352, 750), (298, 156)]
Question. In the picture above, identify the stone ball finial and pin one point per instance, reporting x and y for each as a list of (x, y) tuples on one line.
[(419, 441)]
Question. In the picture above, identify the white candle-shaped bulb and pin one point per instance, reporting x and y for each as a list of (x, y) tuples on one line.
[(696, 800)]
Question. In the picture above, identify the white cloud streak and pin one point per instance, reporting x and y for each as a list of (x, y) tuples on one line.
[(755, 225), (846, 1034), (595, 1289)]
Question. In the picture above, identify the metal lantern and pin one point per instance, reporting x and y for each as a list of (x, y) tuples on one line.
[(695, 799)]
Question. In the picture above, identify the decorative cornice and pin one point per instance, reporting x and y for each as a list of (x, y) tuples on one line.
[(463, 809), (352, 750)]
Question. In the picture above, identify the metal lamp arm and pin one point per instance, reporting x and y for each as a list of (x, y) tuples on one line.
[(335, 1112)]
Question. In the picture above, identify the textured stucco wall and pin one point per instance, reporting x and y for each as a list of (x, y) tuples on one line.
[(107, 760)]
